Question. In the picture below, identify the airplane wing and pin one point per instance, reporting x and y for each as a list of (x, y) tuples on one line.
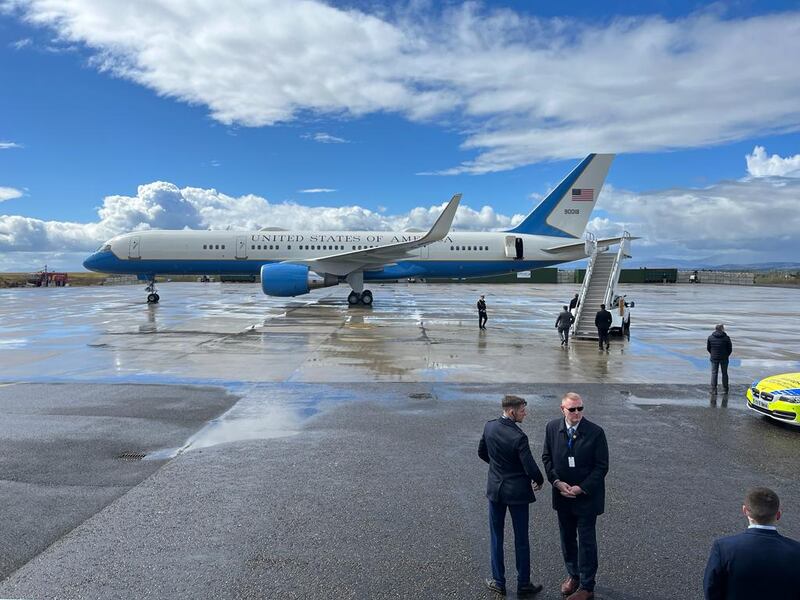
[(569, 248), (345, 263)]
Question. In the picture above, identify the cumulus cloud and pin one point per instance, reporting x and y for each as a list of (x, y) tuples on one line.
[(9, 193), (325, 138), (757, 216), (9, 145), (526, 88), (760, 165), (162, 205)]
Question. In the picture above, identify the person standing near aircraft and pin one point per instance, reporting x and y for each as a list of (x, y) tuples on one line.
[(719, 348), (563, 323), (482, 317), (759, 563), (575, 458), (513, 478), (602, 321)]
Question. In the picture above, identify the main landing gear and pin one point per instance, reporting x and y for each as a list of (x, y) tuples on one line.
[(364, 298), (152, 294)]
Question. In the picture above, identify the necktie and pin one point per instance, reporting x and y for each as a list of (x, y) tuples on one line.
[(570, 436)]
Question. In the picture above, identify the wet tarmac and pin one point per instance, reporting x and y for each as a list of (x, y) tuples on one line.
[(336, 456), (219, 333)]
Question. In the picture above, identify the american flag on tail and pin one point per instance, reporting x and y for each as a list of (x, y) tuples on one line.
[(583, 194)]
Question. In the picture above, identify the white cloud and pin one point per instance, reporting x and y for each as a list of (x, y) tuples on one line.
[(757, 216), (22, 43), (760, 165), (9, 145), (9, 193), (162, 205), (316, 191), (526, 89), (325, 138)]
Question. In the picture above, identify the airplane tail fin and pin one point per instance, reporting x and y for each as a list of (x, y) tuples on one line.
[(565, 211)]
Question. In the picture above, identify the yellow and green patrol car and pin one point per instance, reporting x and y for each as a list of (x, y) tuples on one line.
[(777, 396)]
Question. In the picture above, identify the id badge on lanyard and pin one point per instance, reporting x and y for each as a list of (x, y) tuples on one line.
[(571, 460)]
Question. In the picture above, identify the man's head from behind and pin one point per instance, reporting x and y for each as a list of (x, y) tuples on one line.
[(602, 307), (720, 328), (762, 506), (514, 408), (565, 308), (572, 408)]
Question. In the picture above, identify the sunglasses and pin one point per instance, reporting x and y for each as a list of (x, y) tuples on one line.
[(574, 408)]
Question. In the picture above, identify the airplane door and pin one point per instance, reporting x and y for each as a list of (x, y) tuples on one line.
[(241, 247), (424, 252), (133, 248)]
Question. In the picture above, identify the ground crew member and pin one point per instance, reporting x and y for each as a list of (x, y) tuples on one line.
[(482, 312), (602, 321), (563, 323)]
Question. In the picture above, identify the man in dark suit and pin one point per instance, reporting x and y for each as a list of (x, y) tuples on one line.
[(575, 459), (759, 563), (719, 348), (513, 477), (602, 320)]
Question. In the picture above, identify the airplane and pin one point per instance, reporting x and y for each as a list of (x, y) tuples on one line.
[(292, 263)]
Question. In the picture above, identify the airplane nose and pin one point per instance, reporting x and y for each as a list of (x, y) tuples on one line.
[(91, 262)]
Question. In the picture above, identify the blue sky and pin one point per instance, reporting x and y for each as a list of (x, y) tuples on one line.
[(117, 116)]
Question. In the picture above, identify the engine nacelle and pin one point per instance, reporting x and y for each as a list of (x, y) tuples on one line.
[(292, 280)]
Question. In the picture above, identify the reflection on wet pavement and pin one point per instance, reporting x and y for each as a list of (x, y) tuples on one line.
[(225, 334)]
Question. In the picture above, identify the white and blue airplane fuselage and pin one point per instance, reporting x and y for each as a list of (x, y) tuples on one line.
[(292, 263)]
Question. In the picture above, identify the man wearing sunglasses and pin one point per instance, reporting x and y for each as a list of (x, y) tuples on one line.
[(575, 458), (513, 477)]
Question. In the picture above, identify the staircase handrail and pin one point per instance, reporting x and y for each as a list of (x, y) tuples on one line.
[(591, 243), (615, 270)]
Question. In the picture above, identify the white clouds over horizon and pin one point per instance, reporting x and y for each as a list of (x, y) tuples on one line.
[(757, 215), (525, 89), (9, 145)]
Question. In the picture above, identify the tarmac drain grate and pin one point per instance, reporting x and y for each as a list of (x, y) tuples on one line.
[(421, 396), (131, 456)]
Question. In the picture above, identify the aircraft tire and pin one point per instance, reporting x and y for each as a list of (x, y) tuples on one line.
[(353, 299), (366, 298), (152, 298)]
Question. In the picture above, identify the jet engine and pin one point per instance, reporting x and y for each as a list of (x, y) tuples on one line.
[(292, 280)]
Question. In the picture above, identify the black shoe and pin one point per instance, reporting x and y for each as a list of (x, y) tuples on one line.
[(495, 587), (529, 589), (714, 390)]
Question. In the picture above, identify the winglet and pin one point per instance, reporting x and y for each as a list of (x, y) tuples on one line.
[(442, 226)]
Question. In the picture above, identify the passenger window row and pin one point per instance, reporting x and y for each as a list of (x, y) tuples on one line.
[(470, 248), (213, 246), (265, 247)]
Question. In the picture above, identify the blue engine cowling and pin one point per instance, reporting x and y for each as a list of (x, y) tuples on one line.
[(291, 280)]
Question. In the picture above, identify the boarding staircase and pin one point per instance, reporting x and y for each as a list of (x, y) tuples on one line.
[(599, 284)]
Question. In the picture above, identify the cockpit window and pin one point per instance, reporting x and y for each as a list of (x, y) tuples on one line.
[(104, 248)]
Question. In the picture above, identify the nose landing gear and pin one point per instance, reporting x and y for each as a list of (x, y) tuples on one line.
[(152, 296)]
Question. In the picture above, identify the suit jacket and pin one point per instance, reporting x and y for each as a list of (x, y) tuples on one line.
[(759, 563), (481, 306), (564, 320), (603, 319), (590, 450), (511, 465)]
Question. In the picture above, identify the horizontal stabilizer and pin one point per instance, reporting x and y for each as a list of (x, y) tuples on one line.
[(569, 248)]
